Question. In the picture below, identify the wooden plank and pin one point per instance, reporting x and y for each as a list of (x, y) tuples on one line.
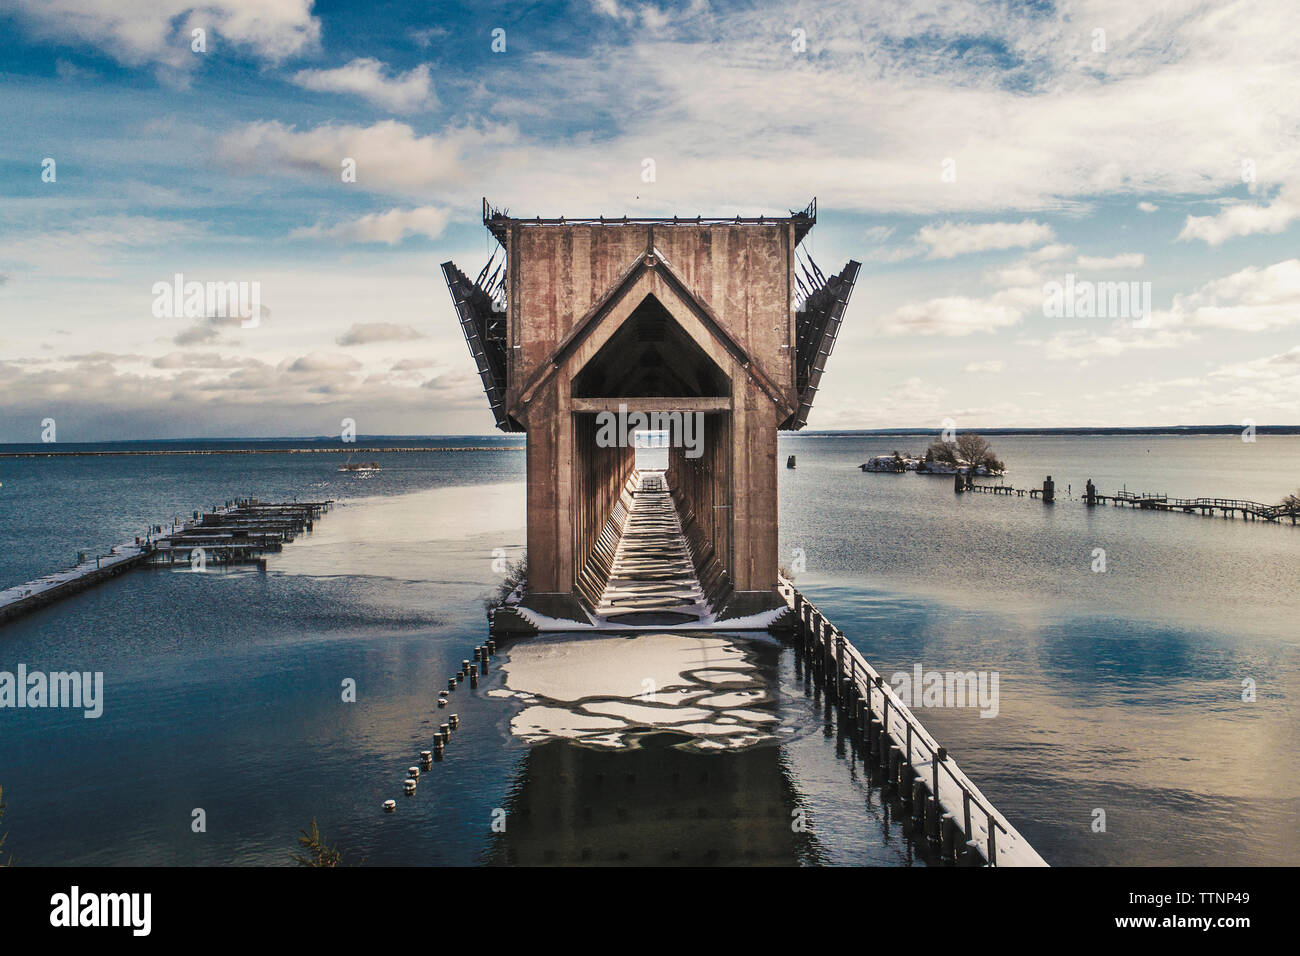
[(721, 403)]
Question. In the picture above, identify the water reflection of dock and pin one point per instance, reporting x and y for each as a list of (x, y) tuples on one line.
[(650, 749), (681, 687), (678, 748), (652, 805)]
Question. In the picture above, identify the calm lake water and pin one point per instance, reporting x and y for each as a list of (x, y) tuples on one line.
[(1119, 691)]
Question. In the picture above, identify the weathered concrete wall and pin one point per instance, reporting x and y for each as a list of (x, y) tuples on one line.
[(599, 475), (743, 273), (732, 491), (740, 277)]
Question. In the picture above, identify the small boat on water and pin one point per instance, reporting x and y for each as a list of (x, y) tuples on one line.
[(359, 467)]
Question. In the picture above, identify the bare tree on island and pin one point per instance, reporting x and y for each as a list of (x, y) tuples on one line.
[(970, 448)]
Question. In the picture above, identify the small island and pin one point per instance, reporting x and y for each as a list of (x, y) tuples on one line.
[(970, 453)]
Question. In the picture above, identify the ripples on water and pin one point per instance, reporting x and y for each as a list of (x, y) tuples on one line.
[(1118, 690)]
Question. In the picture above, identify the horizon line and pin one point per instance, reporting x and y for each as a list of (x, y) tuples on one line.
[(899, 430)]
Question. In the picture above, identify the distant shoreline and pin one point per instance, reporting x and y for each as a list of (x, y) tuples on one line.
[(248, 446), (1081, 430), (75, 453)]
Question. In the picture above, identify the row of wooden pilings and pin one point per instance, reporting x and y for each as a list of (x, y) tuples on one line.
[(864, 703)]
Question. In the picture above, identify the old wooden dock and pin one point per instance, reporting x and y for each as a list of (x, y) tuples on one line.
[(1227, 507), (1148, 501), (25, 598), (943, 802), (240, 532)]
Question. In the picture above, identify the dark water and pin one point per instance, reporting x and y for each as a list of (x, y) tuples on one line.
[(1119, 690)]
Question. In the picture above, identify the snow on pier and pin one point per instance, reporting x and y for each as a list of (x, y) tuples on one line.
[(242, 531), (24, 598), (650, 581)]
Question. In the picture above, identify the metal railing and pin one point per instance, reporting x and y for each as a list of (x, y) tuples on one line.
[(980, 823)]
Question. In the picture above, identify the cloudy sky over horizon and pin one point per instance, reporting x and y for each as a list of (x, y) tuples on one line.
[(968, 153)]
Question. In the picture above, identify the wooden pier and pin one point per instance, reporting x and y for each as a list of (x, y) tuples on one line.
[(1147, 501), (952, 813), (1227, 507), (1005, 490), (241, 532), (25, 598)]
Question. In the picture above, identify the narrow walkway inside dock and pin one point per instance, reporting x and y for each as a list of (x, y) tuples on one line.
[(653, 580)]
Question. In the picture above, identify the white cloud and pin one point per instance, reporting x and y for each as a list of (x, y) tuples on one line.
[(1070, 125), (1083, 344), (321, 362), (1253, 299), (135, 32), (389, 155), (1262, 390), (202, 360), (1285, 365), (364, 333), (1125, 260), (367, 77), (391, 227), (1243, 220), (1017, 274), (424, 36), (985, 368), (411, 365), (614, 10), (91, 246), (947, 240), (652, 17), (1050, 262), (1053, 253), (952, 315), (1145, 206)]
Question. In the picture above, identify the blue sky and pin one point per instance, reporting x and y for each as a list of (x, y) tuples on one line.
[(967, 153)]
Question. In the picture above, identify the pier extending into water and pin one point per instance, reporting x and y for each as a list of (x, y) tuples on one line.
[(1146, 501), (22, 599), (1227, 507), (942, 801), (649, 584), (241, 532)]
